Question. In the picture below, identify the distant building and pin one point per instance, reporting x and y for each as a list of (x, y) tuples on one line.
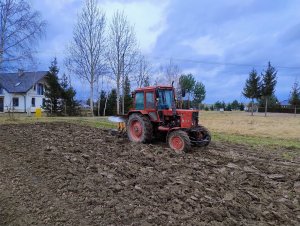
[(285, 104), (83, 105), (22, 91)]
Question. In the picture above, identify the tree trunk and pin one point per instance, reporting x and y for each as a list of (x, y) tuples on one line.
[(99, 99), (65, 106), (91, 99), (123, 103), (118, 96), (104, 110), (123, 86), (266, 107), (252, 107), (1, 58), (295, 110)]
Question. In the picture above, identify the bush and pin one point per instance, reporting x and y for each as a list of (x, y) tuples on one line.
[(279, 109)]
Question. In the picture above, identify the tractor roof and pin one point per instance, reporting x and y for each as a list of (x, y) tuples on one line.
[(153, 88)]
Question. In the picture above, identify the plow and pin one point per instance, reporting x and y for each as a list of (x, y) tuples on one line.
[(154, 114)]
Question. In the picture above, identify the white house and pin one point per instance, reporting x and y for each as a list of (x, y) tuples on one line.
[(22, 91)]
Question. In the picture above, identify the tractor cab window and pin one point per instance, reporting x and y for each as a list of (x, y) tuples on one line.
[(165, 99), (139, 101), (150, 100)]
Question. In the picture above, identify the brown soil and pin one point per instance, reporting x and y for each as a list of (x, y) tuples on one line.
[(65, 174)]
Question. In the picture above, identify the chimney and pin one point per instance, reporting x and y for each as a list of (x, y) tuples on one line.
[(20, 72)]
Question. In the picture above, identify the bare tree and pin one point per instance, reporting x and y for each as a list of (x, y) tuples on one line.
[(122, 52), (86, 57), (20, 29), (171, 72), (142, 75)]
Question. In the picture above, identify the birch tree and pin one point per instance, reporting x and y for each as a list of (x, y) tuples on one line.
[(171, 72), (21, 28), (122, 52), (86, 57), (142, 75)]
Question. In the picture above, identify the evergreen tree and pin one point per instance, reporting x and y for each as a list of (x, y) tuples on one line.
[(235, 105), (268, 84), (242, 107), (102, 101), (127, 97), (252, 89), (218, 105), (53, 90), (70, 105), (111, 108), (228, 107), (294, 99), (223, 105), (272, 101)]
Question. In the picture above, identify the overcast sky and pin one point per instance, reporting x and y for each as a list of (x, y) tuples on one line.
[(217, 41)]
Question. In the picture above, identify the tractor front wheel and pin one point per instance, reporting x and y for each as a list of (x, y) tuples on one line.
[(179, 141), (139, 128)]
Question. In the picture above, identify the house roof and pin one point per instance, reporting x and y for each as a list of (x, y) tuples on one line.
[(20, 82), (284, 102)]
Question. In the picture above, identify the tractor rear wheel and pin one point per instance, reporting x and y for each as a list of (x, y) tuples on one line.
[(139, 128), (179, 141)]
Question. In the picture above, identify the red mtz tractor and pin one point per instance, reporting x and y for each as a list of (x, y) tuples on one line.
[(154, 113)]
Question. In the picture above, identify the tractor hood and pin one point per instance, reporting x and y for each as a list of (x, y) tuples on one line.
[(188, 118), (180, 112)]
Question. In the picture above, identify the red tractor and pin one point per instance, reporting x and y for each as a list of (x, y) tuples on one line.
[(154, 113)]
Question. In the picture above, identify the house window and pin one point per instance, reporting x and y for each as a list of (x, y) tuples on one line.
[(16, 101), (44, 102), (32, 102), (40, 89)]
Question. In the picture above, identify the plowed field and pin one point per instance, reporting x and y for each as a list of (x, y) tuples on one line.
[(66, 174)]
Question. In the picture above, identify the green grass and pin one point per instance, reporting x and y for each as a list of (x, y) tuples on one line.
[(257, 141), (98, 122)]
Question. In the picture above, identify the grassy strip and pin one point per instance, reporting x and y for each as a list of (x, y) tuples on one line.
[(97, 124), (256, 141), (94, 122), (233, 138), (102, 122)]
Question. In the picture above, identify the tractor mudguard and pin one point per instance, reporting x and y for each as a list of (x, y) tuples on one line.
[(173, 129), (199, 136)]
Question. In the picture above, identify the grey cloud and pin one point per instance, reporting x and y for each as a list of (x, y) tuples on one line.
[(249, 33)]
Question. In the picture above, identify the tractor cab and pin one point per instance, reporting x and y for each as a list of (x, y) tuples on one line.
[(159, 103), (154, 101), (160, 97)]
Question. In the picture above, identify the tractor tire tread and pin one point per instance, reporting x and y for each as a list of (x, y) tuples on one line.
[(147, 125), (184, 136), (206, 133)]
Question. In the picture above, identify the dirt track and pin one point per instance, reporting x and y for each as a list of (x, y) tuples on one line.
[(63, 174)]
